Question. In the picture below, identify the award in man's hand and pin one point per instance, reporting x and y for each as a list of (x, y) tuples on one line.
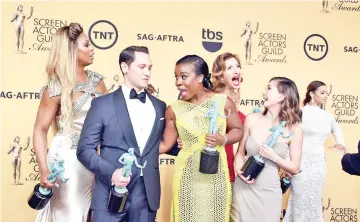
[(41, 196), (119, 194), (209, 159), (255, 164)]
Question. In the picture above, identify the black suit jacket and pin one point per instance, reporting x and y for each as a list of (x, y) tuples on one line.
[(108, 124), (351, 162)]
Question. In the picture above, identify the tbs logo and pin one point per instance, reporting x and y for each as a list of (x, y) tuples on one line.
[(211, 40)]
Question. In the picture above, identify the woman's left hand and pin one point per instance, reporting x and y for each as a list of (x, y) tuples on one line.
[(267, 152), (214, 140), (341, 148)]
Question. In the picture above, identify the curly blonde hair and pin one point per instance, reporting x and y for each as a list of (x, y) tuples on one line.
[(218, 70)]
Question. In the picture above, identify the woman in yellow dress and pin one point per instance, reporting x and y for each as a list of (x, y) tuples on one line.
[(197, 196)]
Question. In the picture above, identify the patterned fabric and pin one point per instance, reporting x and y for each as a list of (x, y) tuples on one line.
[(305, 203), (87, 88), (197, 196), (71, 200)]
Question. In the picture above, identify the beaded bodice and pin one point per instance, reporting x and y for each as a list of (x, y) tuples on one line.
[(81, 106)]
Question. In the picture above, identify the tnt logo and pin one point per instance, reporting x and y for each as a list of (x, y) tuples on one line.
[(103, 34), (316, 47), (211, 40)]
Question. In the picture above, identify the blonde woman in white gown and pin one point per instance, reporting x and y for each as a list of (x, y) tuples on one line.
[(305, 203), (65, 101)]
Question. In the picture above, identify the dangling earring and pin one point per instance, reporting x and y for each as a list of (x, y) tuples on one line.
[(312, 100)]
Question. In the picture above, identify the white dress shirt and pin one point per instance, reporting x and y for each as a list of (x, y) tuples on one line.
[(142, 116)]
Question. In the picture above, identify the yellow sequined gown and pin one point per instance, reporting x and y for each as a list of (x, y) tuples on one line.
[(199, 197)]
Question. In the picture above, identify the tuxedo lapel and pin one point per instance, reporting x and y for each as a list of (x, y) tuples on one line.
[(155, 129), (124, 120)]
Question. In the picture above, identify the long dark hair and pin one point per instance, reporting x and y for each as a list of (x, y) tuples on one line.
[(312, 87), (200, 67), (290, 107)]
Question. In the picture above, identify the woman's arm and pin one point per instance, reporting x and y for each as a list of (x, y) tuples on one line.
[(234, 128), (291, 166), (47, 111), (170, 133), (338, 134), (240, 153)]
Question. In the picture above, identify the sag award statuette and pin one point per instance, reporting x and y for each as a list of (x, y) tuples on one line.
[(209, 159), (255, 164), (285, 184), (118, 195), (41, 196)]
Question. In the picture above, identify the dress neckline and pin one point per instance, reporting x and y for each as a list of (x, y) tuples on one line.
[(199, 103), (253, 138)]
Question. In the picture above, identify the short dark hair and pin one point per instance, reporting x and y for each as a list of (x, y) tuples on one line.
[(312, 87), (128, 55), (200, 67)]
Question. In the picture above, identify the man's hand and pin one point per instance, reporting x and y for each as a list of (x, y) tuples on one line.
[(118, 180)]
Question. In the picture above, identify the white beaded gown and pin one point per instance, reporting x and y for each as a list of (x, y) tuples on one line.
[(305, 203), (71, 200)]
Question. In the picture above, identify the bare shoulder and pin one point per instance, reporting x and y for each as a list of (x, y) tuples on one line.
[(229, 103), (251, 117), (169, 113), (297, 129), (48, 98)]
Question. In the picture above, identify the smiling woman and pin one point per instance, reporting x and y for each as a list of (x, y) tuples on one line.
[(193, 191)]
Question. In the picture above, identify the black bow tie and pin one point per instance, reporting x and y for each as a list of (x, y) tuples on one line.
[(141, 96)]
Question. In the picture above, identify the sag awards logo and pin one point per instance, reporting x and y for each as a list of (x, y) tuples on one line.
[(159, 37), (251, 102), (20, 18), (316, 47), (19, 95), (166, 161), (15, 150), (211, 40), (345, 107), (340, 214), (351, 49), (342, 5), (103, 34), (343, 215), (115, 84), (272, 45), (44, 29)]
